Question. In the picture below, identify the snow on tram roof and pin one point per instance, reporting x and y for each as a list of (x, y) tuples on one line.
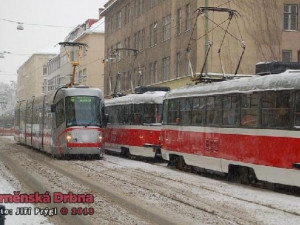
[(289, 80), (151, 97)]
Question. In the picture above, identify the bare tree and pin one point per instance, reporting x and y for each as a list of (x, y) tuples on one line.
[(262, 22)]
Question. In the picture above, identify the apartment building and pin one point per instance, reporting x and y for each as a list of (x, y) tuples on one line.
[(31, 75), (162, 42), (90, 70)]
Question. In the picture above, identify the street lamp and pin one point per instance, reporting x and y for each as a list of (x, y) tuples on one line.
[(20, 26), (3, 53)]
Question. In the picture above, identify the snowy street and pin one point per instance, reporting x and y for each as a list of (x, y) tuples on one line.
[(134, 192)]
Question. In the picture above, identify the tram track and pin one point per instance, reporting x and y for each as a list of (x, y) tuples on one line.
[(111, 181), (229, 213), (182, 199), (214, 190), (147, 215), (140, 173)]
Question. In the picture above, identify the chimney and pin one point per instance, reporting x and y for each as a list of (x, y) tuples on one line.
[(100, 11)]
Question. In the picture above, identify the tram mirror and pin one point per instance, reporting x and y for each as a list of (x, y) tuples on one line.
[(53, 108)]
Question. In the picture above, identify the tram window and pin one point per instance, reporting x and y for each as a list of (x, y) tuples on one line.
[(159, 111), (276, 109), (137, 114), (297, 109), (60, 113), (250, 110), (149, 113), (107, 112), (198, 113), (120, 116), (127, 114), (185, 110), (113, 114), (173, 114), (165, 112), (214, 110), (231, 110)]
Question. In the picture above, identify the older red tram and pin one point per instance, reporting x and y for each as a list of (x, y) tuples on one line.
[(134, 124), (248, 127)]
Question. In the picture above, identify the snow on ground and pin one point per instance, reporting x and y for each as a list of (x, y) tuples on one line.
[(254, 197), (9, 184)]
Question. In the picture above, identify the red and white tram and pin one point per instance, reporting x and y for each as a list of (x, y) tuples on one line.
[(249, 127), (134, 124), (68, 121)]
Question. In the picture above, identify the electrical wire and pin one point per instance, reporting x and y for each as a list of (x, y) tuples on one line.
[(35, 24)]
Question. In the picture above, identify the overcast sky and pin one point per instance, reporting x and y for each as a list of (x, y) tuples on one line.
[(34, 38)]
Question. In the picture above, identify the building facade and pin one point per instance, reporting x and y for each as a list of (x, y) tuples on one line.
[(90, 70), (164, 42), (31, 76)]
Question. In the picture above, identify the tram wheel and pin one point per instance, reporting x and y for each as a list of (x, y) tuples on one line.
[(125, 153)]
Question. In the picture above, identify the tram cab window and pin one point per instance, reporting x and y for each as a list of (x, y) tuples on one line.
[(60, 113), (214, 110), (173, 114), (250, 110), (198, 113), (83, 111), (185, 111), (276, 109), (231, 110)]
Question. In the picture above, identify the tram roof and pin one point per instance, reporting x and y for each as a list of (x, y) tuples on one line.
[(151, 97), (77, 91), (289, 80)]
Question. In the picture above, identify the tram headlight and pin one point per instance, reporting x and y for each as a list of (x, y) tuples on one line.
[(69, 137), (100, 137)]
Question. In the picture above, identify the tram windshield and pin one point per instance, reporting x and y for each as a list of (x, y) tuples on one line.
[(83, 111)]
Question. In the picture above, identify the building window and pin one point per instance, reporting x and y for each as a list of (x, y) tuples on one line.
[(127, 45), (290, 18), (188, 17), (119, 20), (153, 72), (153, 3), (118, 46), (142, 39), (167, 28), (127, 13), (178, 64), (44, 70), (179, 21), (166, 68), (139, 6), (286, 56), (187, 65), (153, 34)]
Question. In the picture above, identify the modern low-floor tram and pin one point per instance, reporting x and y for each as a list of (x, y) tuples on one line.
[(68, 121)]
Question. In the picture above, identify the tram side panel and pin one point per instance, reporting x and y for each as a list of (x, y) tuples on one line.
[(37, 116), (22, 121), (47, 128), (17, 123)]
